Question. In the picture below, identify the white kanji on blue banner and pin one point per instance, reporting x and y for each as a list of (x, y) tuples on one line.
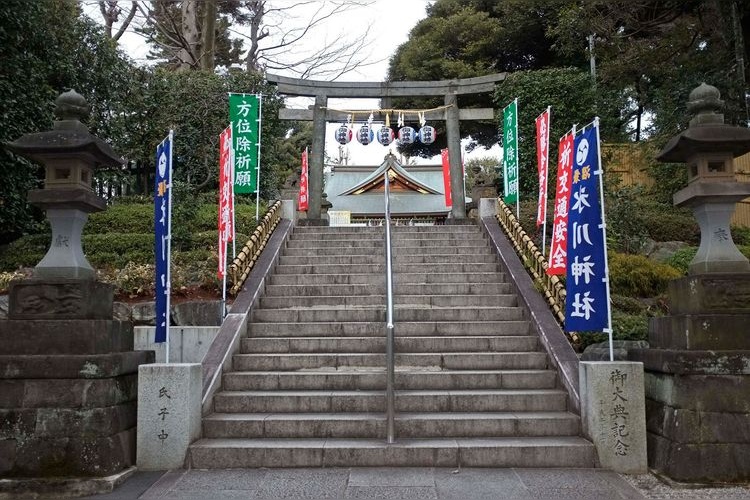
[(587, 303), (162, 229)]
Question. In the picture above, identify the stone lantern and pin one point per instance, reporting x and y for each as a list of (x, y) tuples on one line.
[(697, 366), (70, 155), (709, 147), (68, 371)]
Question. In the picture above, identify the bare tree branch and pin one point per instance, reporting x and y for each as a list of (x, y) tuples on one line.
[(110, 11)]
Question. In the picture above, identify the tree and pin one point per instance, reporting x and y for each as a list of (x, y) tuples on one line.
[(574, 99), (111, 12), (276, 35), (190, 34), (657, 51), (85, 59), (462, 39)]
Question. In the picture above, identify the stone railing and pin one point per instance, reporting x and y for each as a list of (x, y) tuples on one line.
[(245, 260), (551, 287)]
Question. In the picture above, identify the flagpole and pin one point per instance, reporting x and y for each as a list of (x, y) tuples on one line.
[(224, 285), (257, 166), (600, 173), (518, 173), (169, 241), (231, 179), (546, 181)]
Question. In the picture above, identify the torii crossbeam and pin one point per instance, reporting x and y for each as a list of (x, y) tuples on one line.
[(319, 114)]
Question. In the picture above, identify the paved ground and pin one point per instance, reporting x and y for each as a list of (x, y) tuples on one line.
[(407, 483)]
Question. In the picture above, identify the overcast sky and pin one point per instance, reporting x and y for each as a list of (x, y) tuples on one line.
[(390, 22)]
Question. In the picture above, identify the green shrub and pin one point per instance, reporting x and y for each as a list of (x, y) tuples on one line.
[(682, 258), (26, 251), (6, 278), (669, 223), (637, 276), (626, 231), (122, 218), (629, 326), (119, 243), (628, 305), (624, 327), (741, 235)]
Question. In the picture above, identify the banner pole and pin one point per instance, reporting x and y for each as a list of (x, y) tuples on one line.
[(257, 166), (169, 241), (518, 174), (600, 173), (231, 179), (224, 285), (546, 183)]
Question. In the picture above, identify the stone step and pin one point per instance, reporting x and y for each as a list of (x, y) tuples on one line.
[(453, 228), (369, 378), (377, 344), (553, 451), (377, 329), (379, 269), (436, 289), (282, 302), (345, 361), (373, 425), (400, 258), (396, 235), (448, 277), (407, 313), (425, 401), (375, 279), (472, 241), (466, 250), (355, 259)]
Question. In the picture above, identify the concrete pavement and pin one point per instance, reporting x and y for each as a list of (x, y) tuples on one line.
[(381, 483)]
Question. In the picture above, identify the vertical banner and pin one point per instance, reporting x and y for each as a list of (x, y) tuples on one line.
[(510, 153), (162, 237), (542, 163), (226, 209), (244, 115), (303, 179), (446, 177), (558, 248), (587, 300)]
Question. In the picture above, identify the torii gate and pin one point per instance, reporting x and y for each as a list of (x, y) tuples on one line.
[(320, 114)]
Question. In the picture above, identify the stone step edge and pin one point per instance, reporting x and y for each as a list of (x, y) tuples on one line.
[(328, 416), (398, 392)]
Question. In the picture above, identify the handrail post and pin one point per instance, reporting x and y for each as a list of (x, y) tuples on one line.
[(389, 328)]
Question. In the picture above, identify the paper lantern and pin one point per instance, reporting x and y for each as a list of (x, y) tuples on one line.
[(406, 135), (427, 135), (343, 134), (385, 136), (365, 135)]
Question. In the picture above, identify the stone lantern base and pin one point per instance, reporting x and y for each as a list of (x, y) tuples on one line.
[(68, 382), (697, 381)]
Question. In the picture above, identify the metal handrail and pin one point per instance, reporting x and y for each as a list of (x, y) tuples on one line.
[(389, 328)]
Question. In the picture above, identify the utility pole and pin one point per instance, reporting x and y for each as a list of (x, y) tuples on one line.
[(592, 59)]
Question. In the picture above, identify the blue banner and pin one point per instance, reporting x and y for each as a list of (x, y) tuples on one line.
[(162, 229), (587, 302)]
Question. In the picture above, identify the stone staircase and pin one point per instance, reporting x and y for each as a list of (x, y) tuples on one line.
[(473, 386)]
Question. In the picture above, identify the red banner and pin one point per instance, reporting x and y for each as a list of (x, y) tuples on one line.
[(558, 246), (446, 177), (226, 197), (542, 163), (302, 200)]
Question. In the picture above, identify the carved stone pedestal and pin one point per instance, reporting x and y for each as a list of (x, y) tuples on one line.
[(68, 382), (698, 381)]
